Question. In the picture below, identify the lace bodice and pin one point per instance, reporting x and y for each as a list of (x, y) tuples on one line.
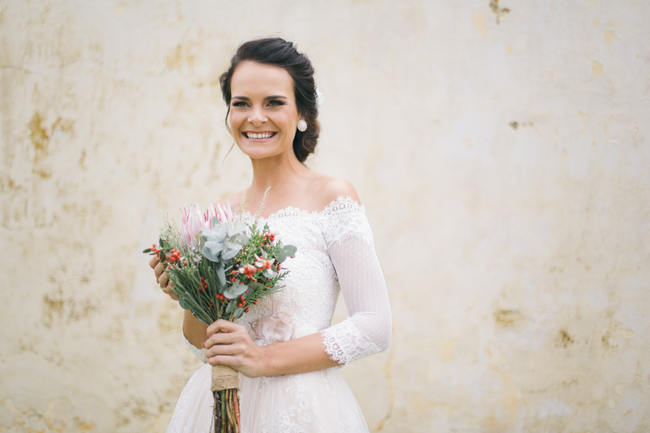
[(335, 254)]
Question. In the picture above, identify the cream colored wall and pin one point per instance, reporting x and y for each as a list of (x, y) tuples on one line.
[(504, 167)]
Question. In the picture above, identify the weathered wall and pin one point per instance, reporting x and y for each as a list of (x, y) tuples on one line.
[(504, 164)]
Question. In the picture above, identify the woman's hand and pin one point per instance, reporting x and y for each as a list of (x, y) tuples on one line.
[(161, 277), (229, 344)]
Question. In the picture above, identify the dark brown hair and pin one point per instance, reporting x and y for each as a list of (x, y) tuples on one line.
[(278, 52)]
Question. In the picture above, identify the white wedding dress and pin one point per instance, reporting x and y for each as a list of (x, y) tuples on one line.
[(335, 252)]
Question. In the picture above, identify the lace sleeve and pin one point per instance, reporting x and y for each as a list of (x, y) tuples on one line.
[(367, 330)]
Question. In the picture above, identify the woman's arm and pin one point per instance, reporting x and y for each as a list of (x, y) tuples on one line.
[(229, 344), (194, 330)]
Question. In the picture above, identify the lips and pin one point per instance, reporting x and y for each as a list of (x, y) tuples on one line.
[(262, 135)]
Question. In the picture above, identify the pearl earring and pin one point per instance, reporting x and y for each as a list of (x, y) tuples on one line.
[(302, 125)]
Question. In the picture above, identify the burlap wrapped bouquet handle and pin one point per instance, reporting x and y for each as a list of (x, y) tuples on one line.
[(224, 378)]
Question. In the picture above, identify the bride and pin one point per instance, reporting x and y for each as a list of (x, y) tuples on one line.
[(285, 348)]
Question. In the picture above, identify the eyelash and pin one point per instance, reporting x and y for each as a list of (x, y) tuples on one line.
[(272, 102)]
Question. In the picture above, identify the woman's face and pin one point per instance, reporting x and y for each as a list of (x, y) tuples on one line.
[(263, 113)]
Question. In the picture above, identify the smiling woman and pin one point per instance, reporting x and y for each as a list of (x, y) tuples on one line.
[(285, 70), (285, 347), (263, 125)]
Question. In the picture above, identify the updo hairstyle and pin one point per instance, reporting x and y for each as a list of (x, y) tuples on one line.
[(278, 52)]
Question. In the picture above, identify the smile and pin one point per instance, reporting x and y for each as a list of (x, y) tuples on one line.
[(258, 135)]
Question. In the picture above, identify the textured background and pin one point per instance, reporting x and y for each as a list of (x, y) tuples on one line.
[(504, 162)]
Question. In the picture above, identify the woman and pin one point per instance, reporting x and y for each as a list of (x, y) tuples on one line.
[(284, 347)]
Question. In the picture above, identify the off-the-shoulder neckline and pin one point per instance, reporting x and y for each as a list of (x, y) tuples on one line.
[(341, 202)]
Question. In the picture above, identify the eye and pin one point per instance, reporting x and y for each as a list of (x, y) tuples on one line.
[(275, 102), (239, 104)]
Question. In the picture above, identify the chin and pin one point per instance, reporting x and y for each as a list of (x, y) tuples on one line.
[(258, 152)]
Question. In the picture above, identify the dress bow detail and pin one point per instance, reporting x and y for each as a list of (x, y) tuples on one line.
[(275, 328)]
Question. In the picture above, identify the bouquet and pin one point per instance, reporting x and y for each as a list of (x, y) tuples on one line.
[(219, 267)]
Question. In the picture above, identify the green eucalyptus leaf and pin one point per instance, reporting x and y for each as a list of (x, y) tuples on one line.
[(229, 307), (269, 273), (230, 250), (284, 252), (238, 312), (255, 286), (235, 290), (239, 238), (290, 250), (221, 275), (235, 228), (217, 233), (211, 250)]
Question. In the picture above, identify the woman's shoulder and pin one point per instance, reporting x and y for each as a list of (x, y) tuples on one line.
[(342, 215), (332, 189)]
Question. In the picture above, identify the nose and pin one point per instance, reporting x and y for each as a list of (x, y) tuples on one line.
[(256, 117)]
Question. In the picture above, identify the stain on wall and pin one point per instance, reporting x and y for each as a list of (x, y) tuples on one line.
[(498, 11), (508, 318)]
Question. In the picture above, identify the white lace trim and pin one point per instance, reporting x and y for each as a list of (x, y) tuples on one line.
[(344, 342), (199, 353), (344, 219), (341, 202)]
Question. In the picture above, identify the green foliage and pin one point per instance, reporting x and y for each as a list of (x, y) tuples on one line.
[(223, 280)]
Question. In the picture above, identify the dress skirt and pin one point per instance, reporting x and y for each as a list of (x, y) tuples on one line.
[(315, 402)]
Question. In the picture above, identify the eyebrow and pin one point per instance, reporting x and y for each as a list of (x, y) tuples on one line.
[(245, 98)]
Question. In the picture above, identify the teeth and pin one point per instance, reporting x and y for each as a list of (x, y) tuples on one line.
[(259, 135)]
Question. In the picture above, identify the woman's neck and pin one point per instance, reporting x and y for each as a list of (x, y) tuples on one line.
[(282, 174)]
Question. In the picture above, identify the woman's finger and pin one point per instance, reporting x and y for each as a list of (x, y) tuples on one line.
[(221, 338), (163, 279), (224, 349), (222, 325), (154, 261), (170, 292), (230, 361), (159, 269)]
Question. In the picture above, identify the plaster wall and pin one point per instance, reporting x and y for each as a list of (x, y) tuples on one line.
[(502, 156)]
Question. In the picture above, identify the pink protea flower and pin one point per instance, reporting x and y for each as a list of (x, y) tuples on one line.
[(210, 213), (222, 212), (192, 222)]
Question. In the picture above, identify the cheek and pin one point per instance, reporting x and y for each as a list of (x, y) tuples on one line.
[(235, 120), (287, 119)]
